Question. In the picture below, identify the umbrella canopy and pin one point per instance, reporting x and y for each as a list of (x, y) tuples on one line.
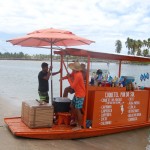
[(50, 37), (47, 37)]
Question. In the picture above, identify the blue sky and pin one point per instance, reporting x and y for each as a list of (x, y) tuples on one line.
[(103, 21)]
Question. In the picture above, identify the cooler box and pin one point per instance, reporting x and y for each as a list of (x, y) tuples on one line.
[(35, 115), (128, 80), (61, 104)]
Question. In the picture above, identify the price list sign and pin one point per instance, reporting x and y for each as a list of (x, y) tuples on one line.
[(119, 108)]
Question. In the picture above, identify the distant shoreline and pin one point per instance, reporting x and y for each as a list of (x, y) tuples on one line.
[(33, 59), (72, 60)]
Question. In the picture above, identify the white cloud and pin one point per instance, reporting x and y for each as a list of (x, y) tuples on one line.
[(104, 21)]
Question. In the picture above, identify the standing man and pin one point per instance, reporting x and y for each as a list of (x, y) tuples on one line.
[(43, 78), (79, 87)]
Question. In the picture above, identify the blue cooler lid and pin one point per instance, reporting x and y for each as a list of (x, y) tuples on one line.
[(128, 80)]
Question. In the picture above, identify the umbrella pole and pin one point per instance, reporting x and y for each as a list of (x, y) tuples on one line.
[(51, 77)]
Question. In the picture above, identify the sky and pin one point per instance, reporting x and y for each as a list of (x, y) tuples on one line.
[(103, 21)]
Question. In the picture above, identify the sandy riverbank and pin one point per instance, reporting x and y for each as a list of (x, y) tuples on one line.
[(131, 140)]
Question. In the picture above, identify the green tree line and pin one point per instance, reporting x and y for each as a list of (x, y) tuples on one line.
[(14, 55), (21, 55)]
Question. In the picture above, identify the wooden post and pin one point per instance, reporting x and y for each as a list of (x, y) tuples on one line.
[(86, 90), (61, 74), (119, 72)]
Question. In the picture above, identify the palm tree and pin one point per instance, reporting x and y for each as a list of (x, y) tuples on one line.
[(130, 44), (148, 43), (145, 52), (118, 45), (127, 43), (134, 46), (139, 52), (145, 43), (139, 44)]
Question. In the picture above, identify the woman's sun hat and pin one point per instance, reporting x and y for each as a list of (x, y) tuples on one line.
[(75, 66)]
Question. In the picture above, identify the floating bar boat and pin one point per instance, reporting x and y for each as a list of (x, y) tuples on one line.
[(109, 109)]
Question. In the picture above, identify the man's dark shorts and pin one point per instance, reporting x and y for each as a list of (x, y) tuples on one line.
[(44, 96)]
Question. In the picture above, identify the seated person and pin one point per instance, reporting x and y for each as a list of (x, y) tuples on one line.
[(92, 78), (99, 77), (69, 89)]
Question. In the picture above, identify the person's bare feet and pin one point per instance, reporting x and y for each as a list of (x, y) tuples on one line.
[(77, 128), (40, 102), (73, 123)]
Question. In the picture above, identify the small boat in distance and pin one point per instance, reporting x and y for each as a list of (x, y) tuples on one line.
[(107, 109)]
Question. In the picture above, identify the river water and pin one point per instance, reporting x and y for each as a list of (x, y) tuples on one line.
[(18, 79), (19, 82)]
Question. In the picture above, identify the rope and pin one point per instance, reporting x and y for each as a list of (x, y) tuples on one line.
[(65, 67)]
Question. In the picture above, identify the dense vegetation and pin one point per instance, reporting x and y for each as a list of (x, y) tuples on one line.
[(135, 47), (21, 55)]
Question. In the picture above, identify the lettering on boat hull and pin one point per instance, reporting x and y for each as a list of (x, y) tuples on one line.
[(119, 108)]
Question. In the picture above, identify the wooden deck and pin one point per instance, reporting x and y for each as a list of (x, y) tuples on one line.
[(18, 128)]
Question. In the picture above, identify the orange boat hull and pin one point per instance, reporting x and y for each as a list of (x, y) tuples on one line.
[(18, 128)]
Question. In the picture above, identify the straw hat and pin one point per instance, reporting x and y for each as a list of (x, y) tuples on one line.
[(75, 66)]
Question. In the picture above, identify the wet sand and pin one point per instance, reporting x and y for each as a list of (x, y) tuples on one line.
[(130, 140)]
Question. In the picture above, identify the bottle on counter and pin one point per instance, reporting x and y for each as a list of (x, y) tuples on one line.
[(135, 86)]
